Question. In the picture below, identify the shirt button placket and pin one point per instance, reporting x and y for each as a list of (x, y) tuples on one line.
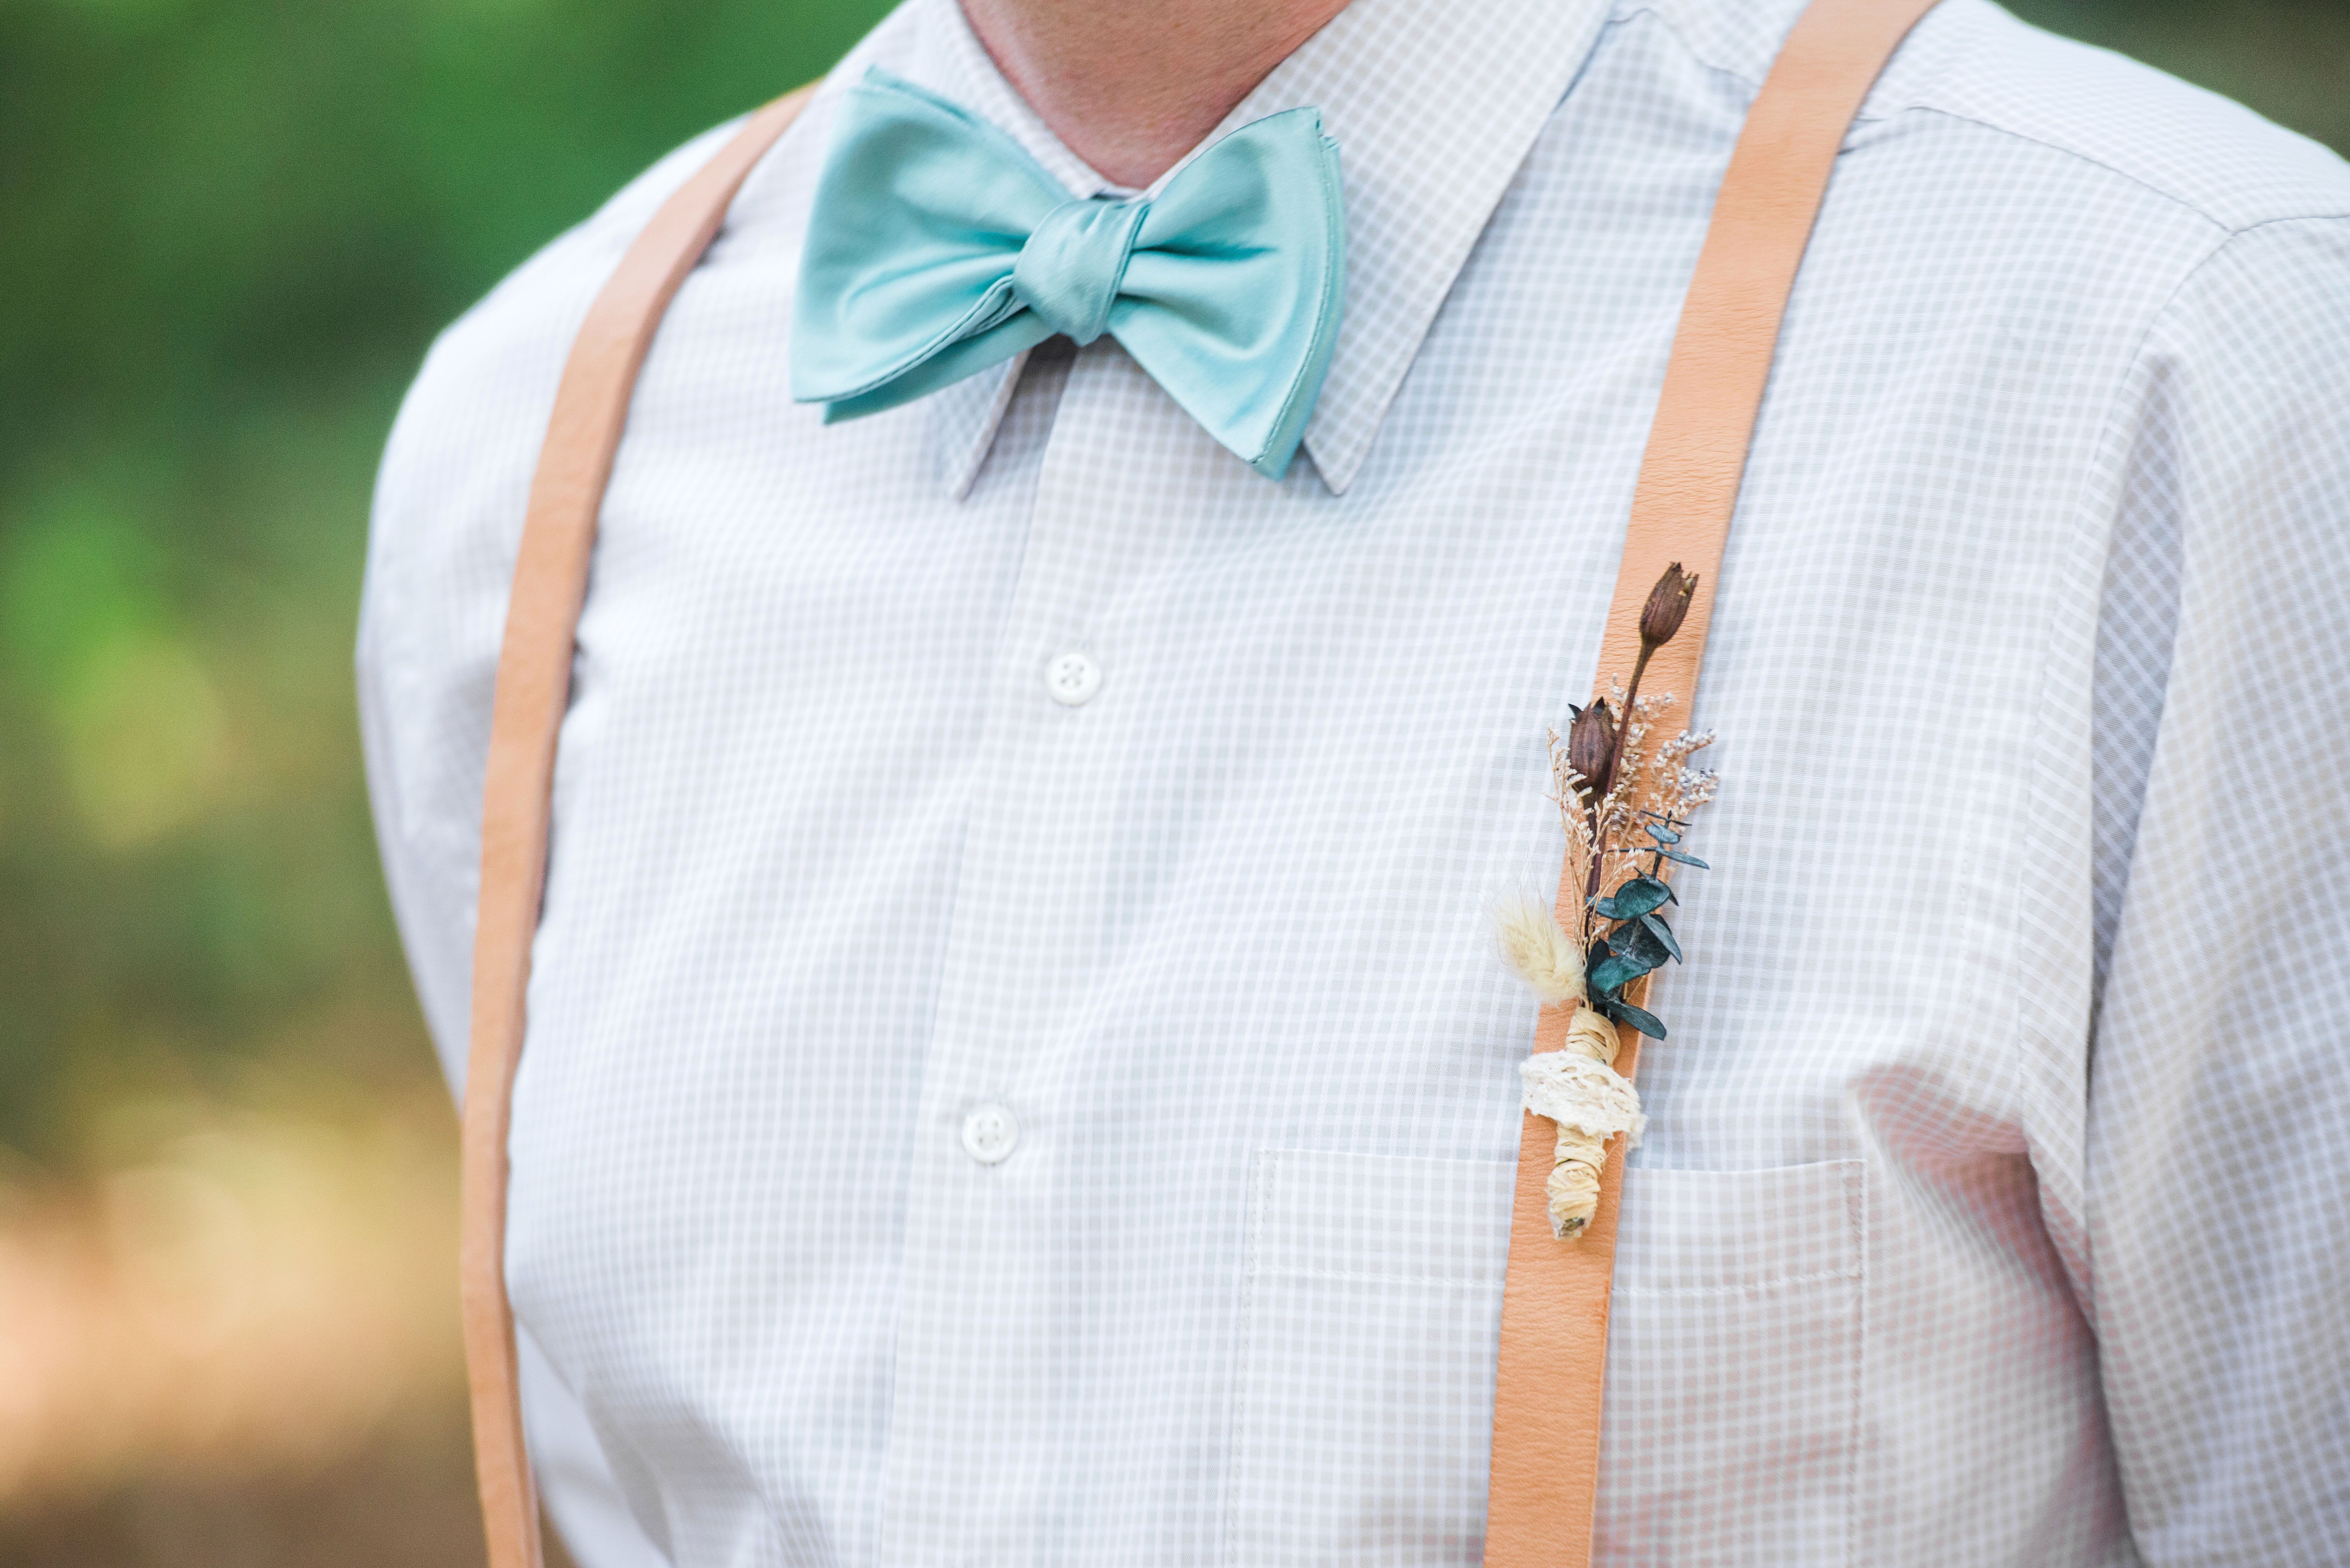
[(986, 1272)]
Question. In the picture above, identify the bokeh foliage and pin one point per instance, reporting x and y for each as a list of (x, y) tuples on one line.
[(228, 229)]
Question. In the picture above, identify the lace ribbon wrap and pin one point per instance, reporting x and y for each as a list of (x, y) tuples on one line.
[(1576, 1087)]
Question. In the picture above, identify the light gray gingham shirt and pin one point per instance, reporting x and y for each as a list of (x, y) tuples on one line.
[(1992, 1210)]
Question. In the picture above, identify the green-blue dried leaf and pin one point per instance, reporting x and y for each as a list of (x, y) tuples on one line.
[(1660, 832), (1612, 972), (1684, 859), (1626, 1013), (1655, 926), (1637, 898), (1639, 944)]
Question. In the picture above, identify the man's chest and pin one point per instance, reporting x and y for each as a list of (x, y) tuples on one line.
[(1129, 760), (1018, 1067), (1002, 952), (1127, 745)]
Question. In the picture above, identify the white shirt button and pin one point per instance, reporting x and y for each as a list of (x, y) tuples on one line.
[(1072, 678), (989, 1134)]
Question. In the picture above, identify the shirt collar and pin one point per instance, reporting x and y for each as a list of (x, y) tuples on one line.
[(1433, 104)]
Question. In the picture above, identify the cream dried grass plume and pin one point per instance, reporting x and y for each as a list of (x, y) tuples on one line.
[(1541, 951)]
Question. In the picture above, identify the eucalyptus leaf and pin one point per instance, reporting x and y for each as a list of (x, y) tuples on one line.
[(1661, 834), (1639, 944), (1655, 926), (1623, 1012), (1637, 898), (1684, 859), (1612, 972)]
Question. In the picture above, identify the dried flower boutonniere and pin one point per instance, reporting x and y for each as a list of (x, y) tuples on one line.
[(1625, 805)]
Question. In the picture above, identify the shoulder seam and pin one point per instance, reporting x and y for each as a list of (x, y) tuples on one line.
[(2186, 280), (2077, 155), (1646, 8)]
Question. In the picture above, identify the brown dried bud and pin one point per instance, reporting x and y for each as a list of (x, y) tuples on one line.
[(1669, 603), (1591, 745)]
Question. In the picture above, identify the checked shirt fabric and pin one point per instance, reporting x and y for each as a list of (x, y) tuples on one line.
[(1019, 1070)]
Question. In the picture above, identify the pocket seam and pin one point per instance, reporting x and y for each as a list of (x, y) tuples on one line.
[(1265, 1257), (1856, 1216), (1759, 1288), (1279, 1273), (1721, 1226), (1267, 1275), (1260, 1172), (1255, 1265), (1666, 1272)]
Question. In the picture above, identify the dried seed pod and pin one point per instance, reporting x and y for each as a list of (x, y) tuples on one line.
[(1591, 745), (1668, 606)]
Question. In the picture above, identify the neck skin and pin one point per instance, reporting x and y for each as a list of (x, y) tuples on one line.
[(1132, 86)]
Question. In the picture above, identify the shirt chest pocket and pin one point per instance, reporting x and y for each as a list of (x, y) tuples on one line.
[(1371, 1314), (1731, 1424), (1363, 1415)]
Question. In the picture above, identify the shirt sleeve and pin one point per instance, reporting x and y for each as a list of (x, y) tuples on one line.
[(2218, 1111), (447, 520), (430, 619)]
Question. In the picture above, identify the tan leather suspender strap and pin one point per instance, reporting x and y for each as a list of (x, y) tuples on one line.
[(1554, 1311), (1554, 1356), (550, 582)]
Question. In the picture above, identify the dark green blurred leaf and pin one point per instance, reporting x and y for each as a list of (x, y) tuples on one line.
[(228, 230)]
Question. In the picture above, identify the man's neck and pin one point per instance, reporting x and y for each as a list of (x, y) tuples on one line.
[(1130, 86)]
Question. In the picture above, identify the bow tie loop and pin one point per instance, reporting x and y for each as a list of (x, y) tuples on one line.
[(1069, 270), (938, 247)]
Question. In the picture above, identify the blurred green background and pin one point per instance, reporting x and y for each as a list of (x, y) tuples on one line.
[(228, 229)]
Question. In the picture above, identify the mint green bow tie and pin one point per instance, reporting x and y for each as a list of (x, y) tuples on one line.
[(937, 248)]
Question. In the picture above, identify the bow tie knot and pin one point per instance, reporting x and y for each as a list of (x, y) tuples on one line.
[(938, 247), (1069, 270)]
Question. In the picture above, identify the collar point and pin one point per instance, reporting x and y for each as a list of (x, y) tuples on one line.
[(1337, 460)]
